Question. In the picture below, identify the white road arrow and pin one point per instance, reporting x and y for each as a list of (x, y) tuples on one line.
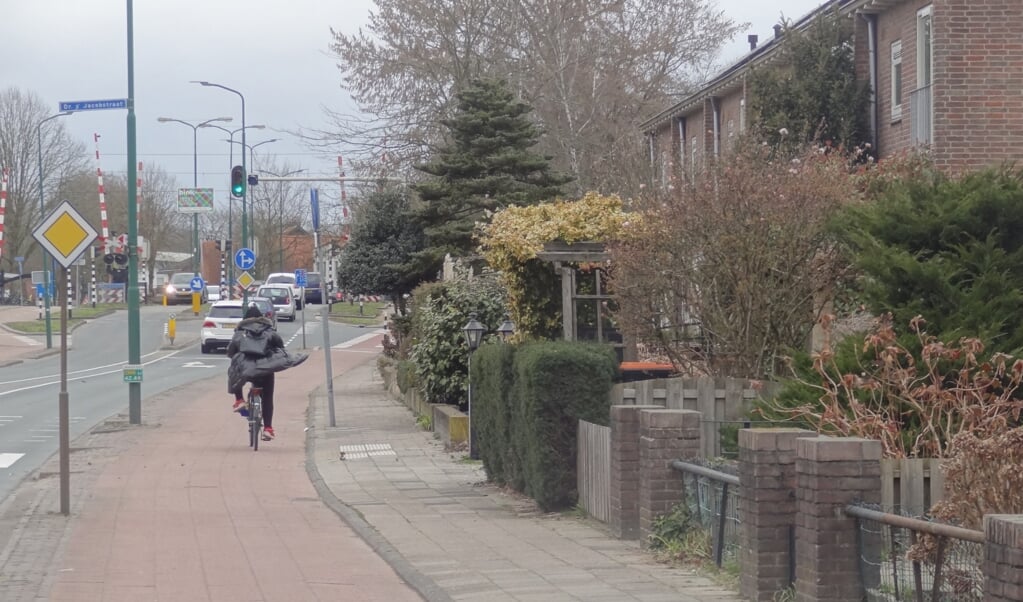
[(196, 365)]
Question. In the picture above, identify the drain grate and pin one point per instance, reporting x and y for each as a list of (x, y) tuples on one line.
[(365, 450)]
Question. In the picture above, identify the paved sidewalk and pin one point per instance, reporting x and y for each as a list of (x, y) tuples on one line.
[(180, 509), (15, 346), (458, 537)]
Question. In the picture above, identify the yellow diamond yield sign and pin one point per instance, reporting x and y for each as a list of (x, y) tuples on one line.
[(245, 280), (65, 234)]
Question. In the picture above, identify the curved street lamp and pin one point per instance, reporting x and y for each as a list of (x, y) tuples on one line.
[(230, 199), (195, 178)]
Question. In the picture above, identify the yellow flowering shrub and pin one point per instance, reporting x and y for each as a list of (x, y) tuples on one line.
[(514, 236)]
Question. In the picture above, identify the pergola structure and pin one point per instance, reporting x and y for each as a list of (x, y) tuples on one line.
[(567, 257)]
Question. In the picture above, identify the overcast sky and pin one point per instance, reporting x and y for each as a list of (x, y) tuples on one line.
[(275, 53)]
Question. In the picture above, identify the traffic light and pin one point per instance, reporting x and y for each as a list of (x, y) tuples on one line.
[(238, 181)]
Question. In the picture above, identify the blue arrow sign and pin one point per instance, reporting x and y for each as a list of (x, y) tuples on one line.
[(197, 284), (94, 105), (244, 258)]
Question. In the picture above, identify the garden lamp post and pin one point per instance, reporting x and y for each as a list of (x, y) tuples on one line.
[(507, 328), (473, 330)]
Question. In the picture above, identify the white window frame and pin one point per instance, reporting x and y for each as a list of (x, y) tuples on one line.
[(924, 72), (896, 80)]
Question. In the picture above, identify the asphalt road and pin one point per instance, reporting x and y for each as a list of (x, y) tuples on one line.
[(96, 390)]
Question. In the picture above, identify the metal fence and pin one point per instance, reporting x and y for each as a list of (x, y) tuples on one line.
[(712, 499), (912, 559)]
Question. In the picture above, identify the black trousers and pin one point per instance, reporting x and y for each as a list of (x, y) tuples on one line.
[(267, 384)]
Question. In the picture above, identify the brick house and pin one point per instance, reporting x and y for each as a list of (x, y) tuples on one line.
[(947, 74)]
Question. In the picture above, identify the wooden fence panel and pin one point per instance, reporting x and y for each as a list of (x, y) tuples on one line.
[(593, 470), (910, 486), (720, 401)]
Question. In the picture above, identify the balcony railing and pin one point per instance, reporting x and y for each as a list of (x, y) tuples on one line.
[(921, 115)]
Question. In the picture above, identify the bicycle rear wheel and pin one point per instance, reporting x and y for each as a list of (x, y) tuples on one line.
[(255, 421)]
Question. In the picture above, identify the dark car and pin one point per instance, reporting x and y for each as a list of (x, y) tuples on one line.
[(179, 289), (313, 292), (267, 307)]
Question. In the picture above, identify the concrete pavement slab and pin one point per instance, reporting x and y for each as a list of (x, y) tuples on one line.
[(457, 536)]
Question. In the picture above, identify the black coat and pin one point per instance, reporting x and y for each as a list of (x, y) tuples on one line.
[(257, 351)]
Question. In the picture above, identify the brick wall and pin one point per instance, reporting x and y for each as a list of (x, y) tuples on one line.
[(1003, 557), (665, 435), (767, 509), (624, 481)]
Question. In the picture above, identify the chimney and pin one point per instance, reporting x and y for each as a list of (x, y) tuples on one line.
[(777, 31), (752, 39)]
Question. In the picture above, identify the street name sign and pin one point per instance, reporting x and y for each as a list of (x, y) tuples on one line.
[(94, 105), (65, 234)]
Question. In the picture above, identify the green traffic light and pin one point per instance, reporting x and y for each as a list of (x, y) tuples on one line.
[(238, 181)]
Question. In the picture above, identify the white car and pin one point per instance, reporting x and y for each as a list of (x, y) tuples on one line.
[(289, 279), (282, 298), (219, 324), (213, 292)]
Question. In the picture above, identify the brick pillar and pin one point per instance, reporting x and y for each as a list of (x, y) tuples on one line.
[(624, 520), (664, 435), (832, 472), (1003, 557), (767, 509)]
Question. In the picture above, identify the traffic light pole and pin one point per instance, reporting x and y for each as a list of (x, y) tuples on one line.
[(132, 294)]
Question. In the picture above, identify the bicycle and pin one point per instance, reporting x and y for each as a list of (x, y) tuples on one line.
[(254, 411)]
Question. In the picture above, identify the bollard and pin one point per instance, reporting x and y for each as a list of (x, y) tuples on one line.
[(172, 327), (195, 303), (165, 299)]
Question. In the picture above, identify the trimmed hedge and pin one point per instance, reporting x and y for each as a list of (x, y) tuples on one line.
[(492, 378), (530, 400)]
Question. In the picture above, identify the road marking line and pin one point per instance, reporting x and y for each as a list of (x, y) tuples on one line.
[(359, 339), (27, 340), (6, 459)]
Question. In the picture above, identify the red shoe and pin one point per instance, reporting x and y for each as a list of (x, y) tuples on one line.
[(268, 433), (239, 404)]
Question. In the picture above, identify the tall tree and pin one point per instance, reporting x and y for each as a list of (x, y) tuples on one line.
[(21, 114), (591, 68), (378, 256), (488, 164), (811, 94)]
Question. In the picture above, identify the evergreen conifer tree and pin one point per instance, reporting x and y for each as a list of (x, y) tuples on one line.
[(486, 165)]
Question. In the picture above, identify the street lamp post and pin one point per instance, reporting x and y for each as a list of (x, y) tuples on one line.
[(42, 216), (245, 230), (195, 179), (473, 330), (280, 214), (252, 166), (507, 328), (230, 203)]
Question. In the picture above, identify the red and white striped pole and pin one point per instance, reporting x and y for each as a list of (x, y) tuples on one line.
[(3, 207), (104, 239)]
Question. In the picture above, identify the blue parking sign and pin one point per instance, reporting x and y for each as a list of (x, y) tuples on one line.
[(300, 278)]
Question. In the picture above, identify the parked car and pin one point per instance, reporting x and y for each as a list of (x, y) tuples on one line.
[(282, 298), (213, 292), (267, 307), (219, 324), (313, 293), (179, 289), (289, 279)]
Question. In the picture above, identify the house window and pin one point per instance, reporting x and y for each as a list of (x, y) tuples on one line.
[(924, 48), (896, 80)]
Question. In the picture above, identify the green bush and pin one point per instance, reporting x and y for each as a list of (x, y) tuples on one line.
[(492, 379), (438, 349), (557, 384), (406, 375)]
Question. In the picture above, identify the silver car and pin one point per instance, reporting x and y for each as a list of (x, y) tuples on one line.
[(282, 298)]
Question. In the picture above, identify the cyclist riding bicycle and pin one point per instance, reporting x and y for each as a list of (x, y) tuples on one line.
[(254, 340)]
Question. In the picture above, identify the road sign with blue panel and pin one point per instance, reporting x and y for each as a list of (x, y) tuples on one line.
[(197, 284), (300, 278), (245, 259), (94, 105), (314, 203)]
